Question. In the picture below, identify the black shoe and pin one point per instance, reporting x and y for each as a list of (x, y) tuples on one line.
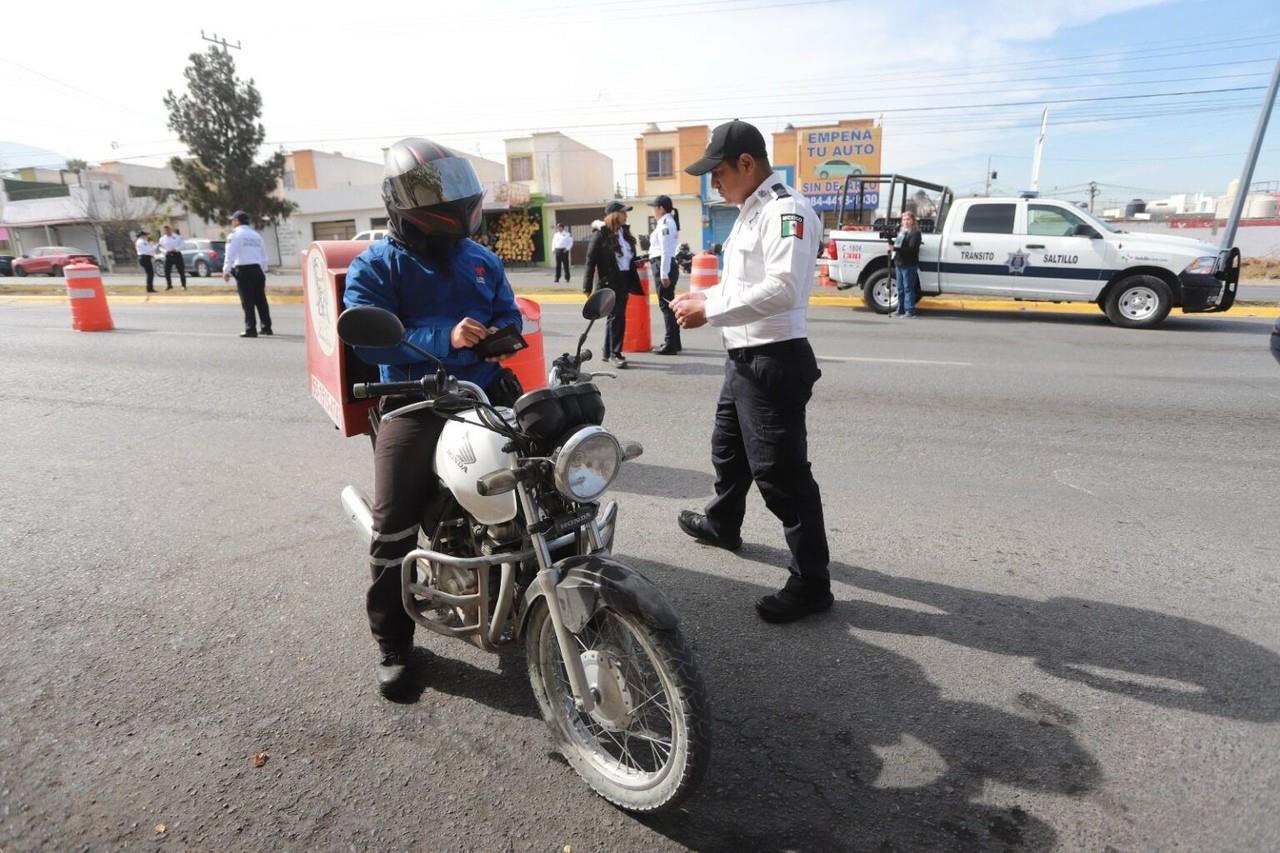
[(249, 334), (621, 360), (787, 605), (267, 331), (665, 351), (151, 290), (696, 525), (393, 674), (606, 357), (170, 287)]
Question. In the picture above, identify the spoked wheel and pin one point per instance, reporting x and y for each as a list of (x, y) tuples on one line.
[(645, 745)]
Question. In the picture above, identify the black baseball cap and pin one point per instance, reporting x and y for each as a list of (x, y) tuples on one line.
[(614, 207), (662, 201), (729, 141), (240, 216)]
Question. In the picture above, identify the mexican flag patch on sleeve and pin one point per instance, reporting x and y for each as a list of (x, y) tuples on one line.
[(793, 225)]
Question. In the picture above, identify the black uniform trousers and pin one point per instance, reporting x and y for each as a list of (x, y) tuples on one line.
[(148, 266), (171, 260), (623, 284), (251, 284), (671, 329), (760, 436), (404, 487), (562, 258)]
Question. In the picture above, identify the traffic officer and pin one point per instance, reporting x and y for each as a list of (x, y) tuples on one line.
[(171, 245), (146, 251), (770, 372), (245, 258), (666, 272), (450, 293)]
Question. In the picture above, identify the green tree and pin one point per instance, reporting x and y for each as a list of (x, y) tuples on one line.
[(217, 119)]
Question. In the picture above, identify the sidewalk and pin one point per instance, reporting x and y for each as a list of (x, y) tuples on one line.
[(1256, 298)]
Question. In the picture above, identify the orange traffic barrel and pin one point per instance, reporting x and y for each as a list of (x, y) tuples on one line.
[(637, 337), (824, 276), (89, 311), (706, 271), (529, 364)]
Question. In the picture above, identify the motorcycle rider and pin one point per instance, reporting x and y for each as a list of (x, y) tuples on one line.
[(450, 293)]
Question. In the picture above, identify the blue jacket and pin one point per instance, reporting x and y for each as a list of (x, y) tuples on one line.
[(430, 302)]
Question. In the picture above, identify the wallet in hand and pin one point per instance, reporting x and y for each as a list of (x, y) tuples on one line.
[(505, 341)]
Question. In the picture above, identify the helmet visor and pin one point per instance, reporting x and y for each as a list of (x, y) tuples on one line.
[(434, 182)]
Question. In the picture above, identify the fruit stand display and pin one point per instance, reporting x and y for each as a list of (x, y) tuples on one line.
[(515, 236)]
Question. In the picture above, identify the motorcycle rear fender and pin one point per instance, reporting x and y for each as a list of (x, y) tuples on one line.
[(588, 583)]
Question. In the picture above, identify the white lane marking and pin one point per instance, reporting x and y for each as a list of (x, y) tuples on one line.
[(870, 360), (1060, 473)]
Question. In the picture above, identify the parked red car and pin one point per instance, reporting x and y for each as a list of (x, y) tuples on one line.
[(50, 260)]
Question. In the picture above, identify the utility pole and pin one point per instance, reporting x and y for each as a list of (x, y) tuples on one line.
[(1093, 193), (986, 187), (213, 37), (1246, 177)]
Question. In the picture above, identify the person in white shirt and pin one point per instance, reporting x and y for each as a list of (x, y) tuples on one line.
[(665, 270), (760, 305), (146, 251), (171, 245), (561, 245), (246, 260)]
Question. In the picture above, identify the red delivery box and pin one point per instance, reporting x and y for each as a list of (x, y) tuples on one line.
[(332, 367)]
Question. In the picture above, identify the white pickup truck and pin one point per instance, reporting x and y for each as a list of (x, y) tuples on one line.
[(1024, 248)]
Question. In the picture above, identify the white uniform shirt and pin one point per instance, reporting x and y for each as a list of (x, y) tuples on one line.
[(625, 253), (662, 245), (244, 247), (768, 268), (145, 247), (171, 243), (562, 240)]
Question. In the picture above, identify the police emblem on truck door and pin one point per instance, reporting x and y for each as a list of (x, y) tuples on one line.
[(1017, 262)]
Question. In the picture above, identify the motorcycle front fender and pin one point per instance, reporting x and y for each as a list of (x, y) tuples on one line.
[(588, 583)]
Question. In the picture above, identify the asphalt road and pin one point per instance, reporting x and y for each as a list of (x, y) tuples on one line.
[(1055, 569)]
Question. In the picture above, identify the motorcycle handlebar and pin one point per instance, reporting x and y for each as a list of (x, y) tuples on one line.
[(364, 390)]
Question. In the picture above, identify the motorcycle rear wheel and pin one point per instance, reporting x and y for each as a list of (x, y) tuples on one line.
[(646, 746)]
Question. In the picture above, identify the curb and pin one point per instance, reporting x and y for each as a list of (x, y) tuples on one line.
[(559, 297)]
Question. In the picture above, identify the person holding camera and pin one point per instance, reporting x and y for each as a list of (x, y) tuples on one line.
[(906, 265)]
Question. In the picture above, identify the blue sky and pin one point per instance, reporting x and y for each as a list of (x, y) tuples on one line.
[(471, 75)]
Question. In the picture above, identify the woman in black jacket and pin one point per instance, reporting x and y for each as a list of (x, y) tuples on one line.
[(906, 265), (612, 256)]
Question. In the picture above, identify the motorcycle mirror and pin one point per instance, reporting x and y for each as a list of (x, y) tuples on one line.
[(367, 326), (599, 304)]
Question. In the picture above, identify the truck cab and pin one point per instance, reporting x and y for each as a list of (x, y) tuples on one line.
[(1028, 248)]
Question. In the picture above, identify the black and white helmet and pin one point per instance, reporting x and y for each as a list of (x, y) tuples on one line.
[(430, 188)]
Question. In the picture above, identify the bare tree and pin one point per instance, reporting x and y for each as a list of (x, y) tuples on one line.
[(118, 214)]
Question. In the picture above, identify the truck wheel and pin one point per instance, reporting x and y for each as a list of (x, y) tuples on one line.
[(880, 294), (1139, 302)]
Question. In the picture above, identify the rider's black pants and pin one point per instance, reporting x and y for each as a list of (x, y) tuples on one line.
[(760, 437), (404, 486)]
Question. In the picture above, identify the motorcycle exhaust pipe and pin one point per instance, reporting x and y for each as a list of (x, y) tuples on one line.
[(357, 509)]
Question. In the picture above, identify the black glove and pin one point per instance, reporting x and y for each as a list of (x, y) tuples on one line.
[(505, 388)]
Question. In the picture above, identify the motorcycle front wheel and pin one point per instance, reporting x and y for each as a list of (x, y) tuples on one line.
[(645, 746)]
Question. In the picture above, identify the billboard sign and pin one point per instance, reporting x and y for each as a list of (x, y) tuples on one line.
[(825, 156)]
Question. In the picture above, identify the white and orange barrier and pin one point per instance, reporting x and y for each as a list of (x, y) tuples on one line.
[(89, 310)]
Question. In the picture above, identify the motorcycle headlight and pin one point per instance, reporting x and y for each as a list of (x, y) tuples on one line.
[(587, 464), (1203, 266)]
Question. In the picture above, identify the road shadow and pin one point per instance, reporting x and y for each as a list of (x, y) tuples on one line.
[(640, 478), (506, 690), (1174, 323), (1164, 660), (823, 742)]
